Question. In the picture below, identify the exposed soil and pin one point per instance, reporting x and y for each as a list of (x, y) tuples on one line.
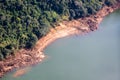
[(33, 56)]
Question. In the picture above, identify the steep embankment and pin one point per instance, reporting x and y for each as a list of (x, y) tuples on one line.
[(35, 55)]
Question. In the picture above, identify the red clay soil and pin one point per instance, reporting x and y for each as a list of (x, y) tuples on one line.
[(33, 56)]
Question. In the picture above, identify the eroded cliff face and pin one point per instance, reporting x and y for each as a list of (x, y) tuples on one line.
[(32, 56)]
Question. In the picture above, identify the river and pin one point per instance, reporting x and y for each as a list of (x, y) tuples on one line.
[(92, 56)]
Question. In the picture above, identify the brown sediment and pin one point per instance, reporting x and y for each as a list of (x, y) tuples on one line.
[(21, 72), (33, 56)]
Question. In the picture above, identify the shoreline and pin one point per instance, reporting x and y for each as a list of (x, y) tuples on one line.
[(33, 56)]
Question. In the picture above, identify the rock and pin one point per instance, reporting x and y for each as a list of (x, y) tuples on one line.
[(7, 68)]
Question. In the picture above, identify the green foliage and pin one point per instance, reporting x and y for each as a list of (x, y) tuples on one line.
[(110, 2), (23, 22)]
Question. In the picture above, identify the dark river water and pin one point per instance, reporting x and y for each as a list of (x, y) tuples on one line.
[(93, 56)]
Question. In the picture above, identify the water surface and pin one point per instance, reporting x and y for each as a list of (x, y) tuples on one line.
[(93, 56)]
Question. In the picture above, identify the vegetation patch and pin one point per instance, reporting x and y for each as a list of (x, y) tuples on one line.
[(23, 22)]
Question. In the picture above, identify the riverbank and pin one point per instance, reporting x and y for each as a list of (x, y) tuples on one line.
[(66, 28)]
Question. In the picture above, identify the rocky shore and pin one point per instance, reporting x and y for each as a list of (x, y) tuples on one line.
[(33, 56)]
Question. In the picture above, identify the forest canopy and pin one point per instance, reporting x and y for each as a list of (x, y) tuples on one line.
[(23, 22)]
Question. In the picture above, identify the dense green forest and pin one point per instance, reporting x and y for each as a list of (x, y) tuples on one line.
[(23, 22)]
